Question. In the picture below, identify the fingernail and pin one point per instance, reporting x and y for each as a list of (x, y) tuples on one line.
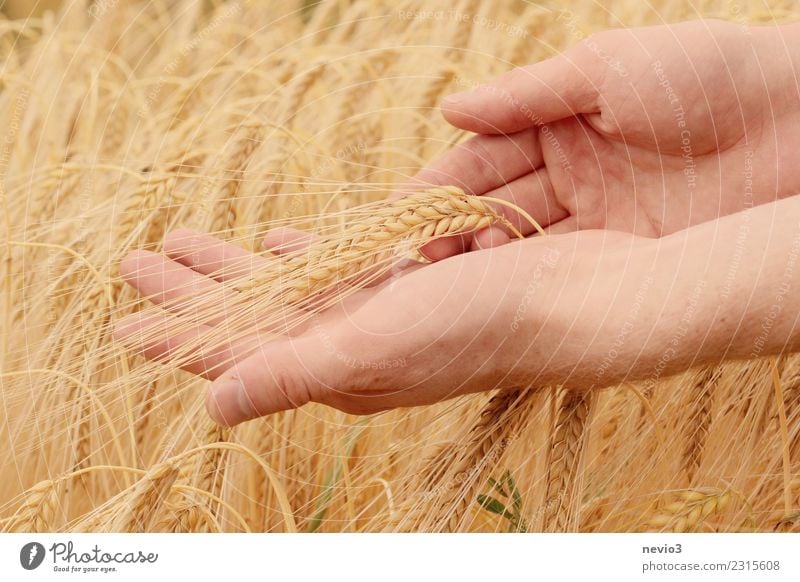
[(422, 253), (456, 98), (225, 403), (425, 254)]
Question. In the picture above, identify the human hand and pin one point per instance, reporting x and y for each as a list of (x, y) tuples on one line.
[(500, 318), (643, 130), (583, 310)]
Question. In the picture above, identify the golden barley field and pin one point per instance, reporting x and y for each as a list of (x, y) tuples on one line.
[(122, 120)]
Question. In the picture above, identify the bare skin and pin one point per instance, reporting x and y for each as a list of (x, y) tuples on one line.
[(640, 278)]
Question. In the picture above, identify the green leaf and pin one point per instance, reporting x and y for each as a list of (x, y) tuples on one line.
[(489, 503), (515, 494), (497, 487), (493, 505)]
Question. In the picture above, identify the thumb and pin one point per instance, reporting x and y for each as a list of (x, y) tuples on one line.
[(562, 86), (282, 375)]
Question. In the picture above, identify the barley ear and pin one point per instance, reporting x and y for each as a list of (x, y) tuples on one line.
[(566, 447)]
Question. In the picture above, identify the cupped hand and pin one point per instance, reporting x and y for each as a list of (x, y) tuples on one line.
[(645, 130), (505, 317)]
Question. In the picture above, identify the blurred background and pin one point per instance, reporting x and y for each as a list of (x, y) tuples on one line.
[(24, 8)]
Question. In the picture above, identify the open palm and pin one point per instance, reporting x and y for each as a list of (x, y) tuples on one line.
[(417, 337), (648, 130)]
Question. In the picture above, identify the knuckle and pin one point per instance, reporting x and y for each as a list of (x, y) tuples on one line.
[(477, 156), (294, 386)]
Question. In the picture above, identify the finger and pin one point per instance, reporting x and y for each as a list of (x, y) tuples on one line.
[(481, 164), (180, 290), (282, 375), (284, 240), (564, 226), (532, 193), (562, 86), (488, 238), (153, 337), (223, 262), (211, 256), (162, 280)]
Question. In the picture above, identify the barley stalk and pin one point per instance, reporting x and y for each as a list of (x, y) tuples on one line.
[(210, 470), (205, 471), (686, 510), (143, 418), (455, 490), (185, 518), (141, 204), (701, 399), (224, 216), (37, 511), (140, 508), (416, 218), (566, 447), (790, 382), (114, 132), (496, 423), (298, 88), (462, 27)]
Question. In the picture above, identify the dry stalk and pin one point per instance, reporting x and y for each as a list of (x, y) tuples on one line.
[(223, 219), (431, 473), (37, 511), (140, 508), (498, 425), (185, 518), (462, 28), (790, 383), (686, 510), (298, 88), (566, 448), (701, 400), (143, 418), (115, 130), (205, 471), (372, 241), (211, 467), (140, 204)]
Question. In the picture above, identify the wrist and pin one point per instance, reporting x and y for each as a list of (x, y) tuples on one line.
[(732, 292), (695, 310), (777, 48), (635, 334), (679, 304), (598, 316)]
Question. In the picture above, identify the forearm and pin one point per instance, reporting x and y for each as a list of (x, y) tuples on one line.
[(778, 56), (722, 290), (734, 287)]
